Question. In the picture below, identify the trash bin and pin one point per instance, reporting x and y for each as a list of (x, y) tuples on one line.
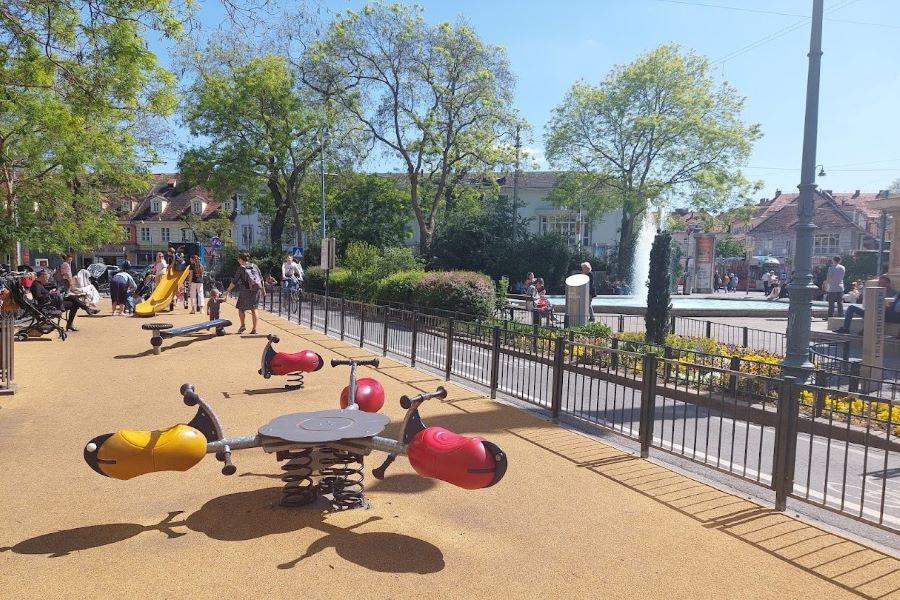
[(578, 299)]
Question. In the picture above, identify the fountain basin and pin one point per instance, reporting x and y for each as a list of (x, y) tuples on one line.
[(686, 306)]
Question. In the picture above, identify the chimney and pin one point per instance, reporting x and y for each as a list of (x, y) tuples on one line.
[(777, 193), (856, 194)]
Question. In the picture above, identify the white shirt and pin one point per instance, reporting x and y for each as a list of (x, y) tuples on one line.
[(290, 270), (834, 281)]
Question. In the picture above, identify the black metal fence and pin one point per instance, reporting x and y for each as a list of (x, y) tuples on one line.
[(829, 446), (7, 362)]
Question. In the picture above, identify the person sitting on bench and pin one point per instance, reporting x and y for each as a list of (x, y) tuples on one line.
[(891, 309)]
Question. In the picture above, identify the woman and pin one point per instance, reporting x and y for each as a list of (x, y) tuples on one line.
[(774, 290), (159, 268), (196, 289), (249, 282), (121, 285)]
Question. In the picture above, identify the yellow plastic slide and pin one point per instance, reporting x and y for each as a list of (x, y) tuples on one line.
[(162, 294)]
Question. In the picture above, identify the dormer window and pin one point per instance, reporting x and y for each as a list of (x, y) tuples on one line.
[(238, 199), (197, 207), (156, 206), (226, 206)]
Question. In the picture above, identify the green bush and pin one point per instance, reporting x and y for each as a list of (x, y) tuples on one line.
[(399, 287), (397, 259), (361, 257), (314, 280), (462, 291)]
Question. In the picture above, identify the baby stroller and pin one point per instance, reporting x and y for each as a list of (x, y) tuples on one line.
[(31, 320)]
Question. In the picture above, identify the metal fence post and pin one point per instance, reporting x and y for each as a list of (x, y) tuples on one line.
[(667, 366), (672, 325), (734, 367), (709, 329), (495, 360), (325, 325), (746, 338), (785, 442), (415, 335), (821, 382), (853, 383), (621, 323), (648, 404), (384, 333), (343, 317), (846, 350), (280, 292), (7, 357), (448, 358), (312, 310), (614, 355), (559, 348), (362, 325)]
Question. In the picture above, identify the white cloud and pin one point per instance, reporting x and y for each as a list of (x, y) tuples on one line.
[(534, 158)]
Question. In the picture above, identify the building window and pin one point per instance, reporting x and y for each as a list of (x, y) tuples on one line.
[(185, 235), (788, 245), (826, 243), (197, 207), (226, 206), (156, 206), (165, 234), (145, 234), (247, 236), (567, 225), (239, 203)]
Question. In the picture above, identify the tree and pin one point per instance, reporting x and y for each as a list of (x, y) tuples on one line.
[(436, 98), (264, 134), (368, 208), (659, 289), (895, 186), (79, 91), (727, 246), (655, 128)]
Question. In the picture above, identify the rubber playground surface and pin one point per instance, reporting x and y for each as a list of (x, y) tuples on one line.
[(573, 517)]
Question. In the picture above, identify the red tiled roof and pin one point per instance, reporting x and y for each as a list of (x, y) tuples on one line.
[(178, 204), (826, 214)]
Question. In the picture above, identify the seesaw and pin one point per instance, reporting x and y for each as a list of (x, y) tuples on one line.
[(165, 330), (322, 451)]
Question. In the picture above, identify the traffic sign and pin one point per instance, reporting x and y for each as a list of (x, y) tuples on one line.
[(216, 242), (297, 252)]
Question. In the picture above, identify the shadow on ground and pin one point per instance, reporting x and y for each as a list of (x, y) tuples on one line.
[(260, 516), (180, 344), (846, 564)]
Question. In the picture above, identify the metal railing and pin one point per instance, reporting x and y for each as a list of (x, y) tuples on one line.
[(7, 350), (828, 446)]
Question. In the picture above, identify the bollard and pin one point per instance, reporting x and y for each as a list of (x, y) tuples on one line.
[(709, 329), (734, 367), (559, 346), (785, 442), (821, 382), (621, 323), (853, 383), (648, 404), (746, 338), (614, 355)]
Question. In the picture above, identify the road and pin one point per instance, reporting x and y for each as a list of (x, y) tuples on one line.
[(853, 479)]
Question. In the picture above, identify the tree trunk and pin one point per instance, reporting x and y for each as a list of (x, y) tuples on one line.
[(426, 229), (276, 229), (625, 258)]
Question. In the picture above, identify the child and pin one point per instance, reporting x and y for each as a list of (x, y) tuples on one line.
[(212, 305)]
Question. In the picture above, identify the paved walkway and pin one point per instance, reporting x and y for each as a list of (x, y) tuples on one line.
[(573, 518)]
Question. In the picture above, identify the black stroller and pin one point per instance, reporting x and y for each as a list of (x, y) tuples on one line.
[(31, 320)]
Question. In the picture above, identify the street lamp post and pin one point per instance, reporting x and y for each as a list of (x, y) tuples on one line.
[(796, 360), (323, 140)]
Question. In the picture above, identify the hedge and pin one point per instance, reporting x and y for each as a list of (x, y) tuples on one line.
[(399, 287), (462, 291)]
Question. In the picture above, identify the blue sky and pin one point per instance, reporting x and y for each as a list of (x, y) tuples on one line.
[(759, 47)]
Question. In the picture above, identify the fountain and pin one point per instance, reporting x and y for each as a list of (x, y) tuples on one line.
[(640, 264)]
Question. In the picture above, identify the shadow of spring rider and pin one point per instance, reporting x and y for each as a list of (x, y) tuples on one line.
[(322, 452), (291, 364)]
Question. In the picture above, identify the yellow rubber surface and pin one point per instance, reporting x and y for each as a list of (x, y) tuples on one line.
[(162, 293), (573, 518)]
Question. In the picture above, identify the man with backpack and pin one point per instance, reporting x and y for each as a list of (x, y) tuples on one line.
[(249, 283)]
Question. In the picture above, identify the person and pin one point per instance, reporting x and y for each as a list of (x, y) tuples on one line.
[(213, 304), (717, 282), (774, 290), (159, 268), (833, 286), (45, 294), (196, 287), (766, 281), (121, 286), (587, 270), (733, 282), (83, 288), (539, 300), (852, 294), (725, 281), (291, 273), (64, 277), (854, 310), (177, 264), (517, 288), (531, 292), (249, 282)]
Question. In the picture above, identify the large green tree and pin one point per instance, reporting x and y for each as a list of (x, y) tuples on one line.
[(79, 90), (368, 208), (434, 97), (264, 133), (659, 127)]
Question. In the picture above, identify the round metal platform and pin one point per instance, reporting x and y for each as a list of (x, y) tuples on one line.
[(325, 426)]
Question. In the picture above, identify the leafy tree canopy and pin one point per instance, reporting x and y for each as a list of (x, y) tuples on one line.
[(727, 246), (656, 128)]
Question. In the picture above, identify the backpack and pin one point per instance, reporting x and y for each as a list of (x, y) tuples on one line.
[(254, 282)]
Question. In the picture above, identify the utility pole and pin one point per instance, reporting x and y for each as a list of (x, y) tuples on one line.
[(796, 360), (515, 198), (323, 134)]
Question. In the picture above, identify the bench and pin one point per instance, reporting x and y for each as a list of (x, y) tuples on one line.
[(165, 330)]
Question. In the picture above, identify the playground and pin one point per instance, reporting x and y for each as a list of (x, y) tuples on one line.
[(572, 518)]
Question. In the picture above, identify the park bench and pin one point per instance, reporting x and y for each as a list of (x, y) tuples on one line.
[(165, 330)]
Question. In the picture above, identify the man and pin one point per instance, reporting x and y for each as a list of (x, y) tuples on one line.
[(291, 273), (766, 281), (833, 287), (892, 309), (532, 295), (586, 269), (64, 273), (45, 295)]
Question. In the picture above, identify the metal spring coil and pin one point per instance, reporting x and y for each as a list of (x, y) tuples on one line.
[(342, 477), (299, 489), (297, 382)]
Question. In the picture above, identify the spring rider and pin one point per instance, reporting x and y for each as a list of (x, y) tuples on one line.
[(291, 364)]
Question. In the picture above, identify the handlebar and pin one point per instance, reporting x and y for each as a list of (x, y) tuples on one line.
[(366, 362), (406, 401), (207, 422)]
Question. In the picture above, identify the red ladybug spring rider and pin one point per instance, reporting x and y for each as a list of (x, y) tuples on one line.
[(294, 364)]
